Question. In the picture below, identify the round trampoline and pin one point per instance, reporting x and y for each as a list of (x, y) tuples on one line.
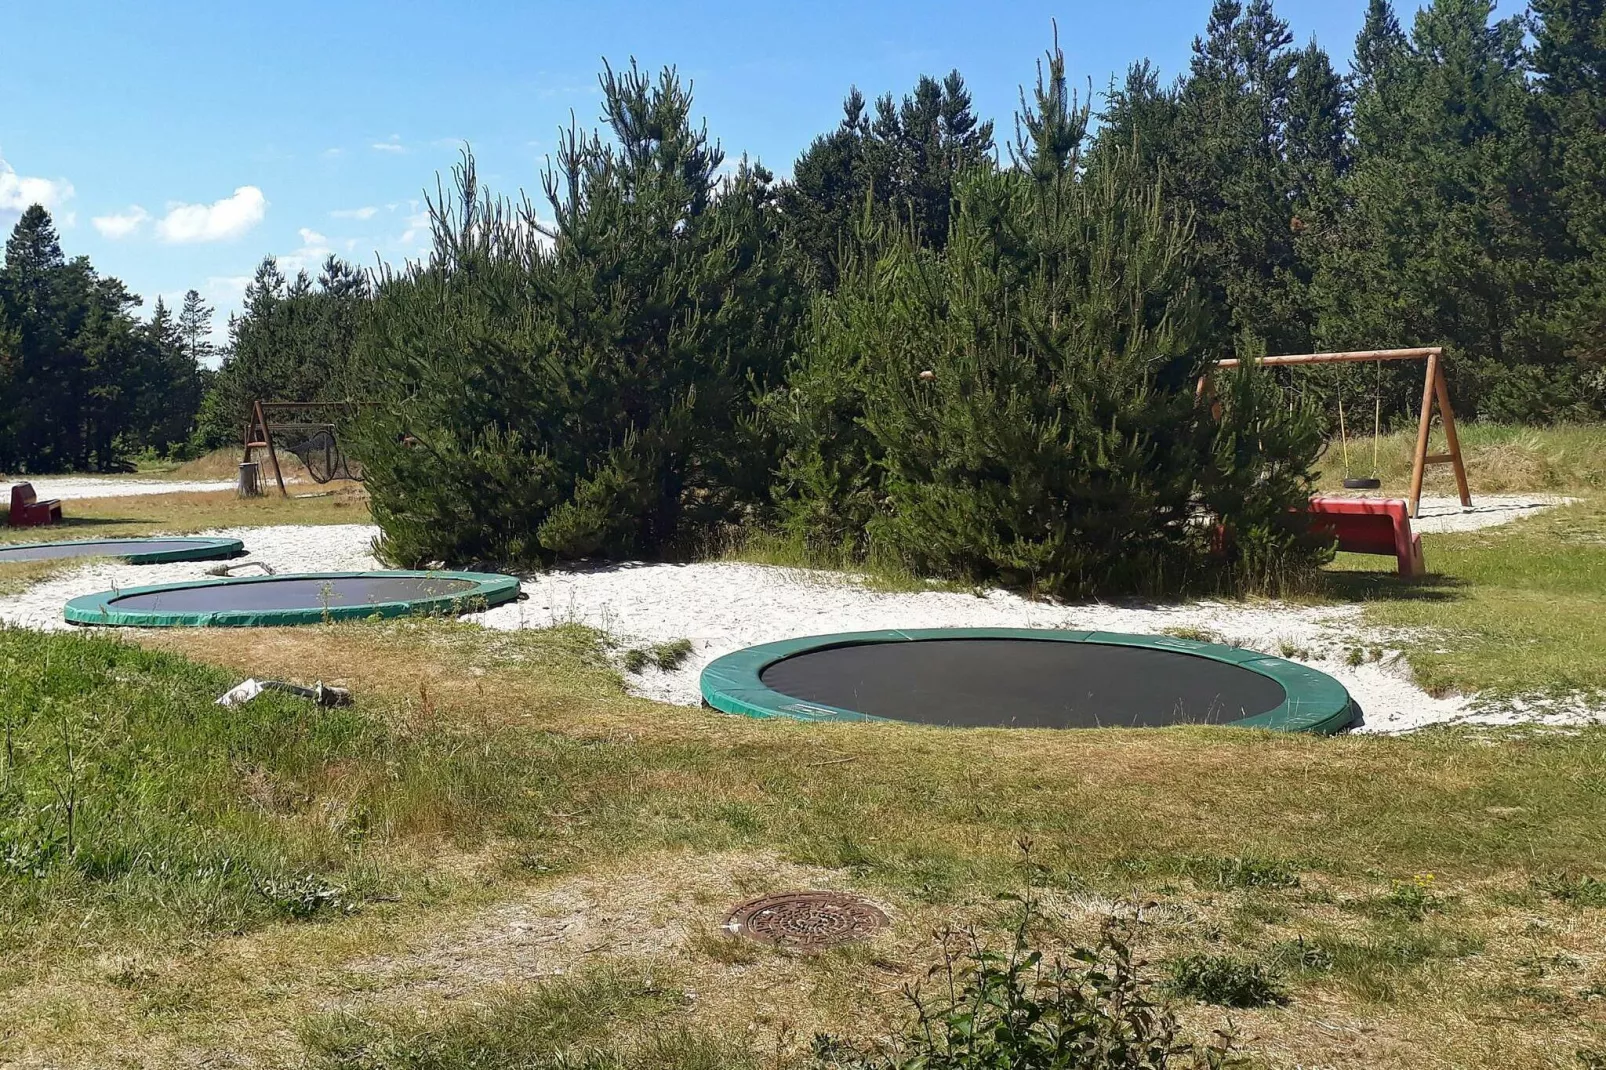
[(1025, 678), (305, 598), (155, 551)]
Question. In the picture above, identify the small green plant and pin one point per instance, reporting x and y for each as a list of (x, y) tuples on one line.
[(1198, 635), (1355, 657), (667, 656), (1581, 890), (1225, 981), (1246, 871), (1092, 1010), (305, 897), (1412, 899), (1301, 954)]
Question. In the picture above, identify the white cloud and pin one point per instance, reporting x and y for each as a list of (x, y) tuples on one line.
[(227, 218), (231, 288), (313, 252), (390, 144), (417, 227), (121, 224), (365, 212), (20, 192)]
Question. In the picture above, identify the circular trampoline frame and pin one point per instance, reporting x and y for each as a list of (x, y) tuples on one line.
[(489, 589), (1314, 702), (205, 548)]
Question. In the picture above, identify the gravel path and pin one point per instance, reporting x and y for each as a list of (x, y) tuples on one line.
[(723, 606)]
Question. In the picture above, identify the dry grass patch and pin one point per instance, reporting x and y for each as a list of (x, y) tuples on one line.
[(1500, 459), (193, 511)]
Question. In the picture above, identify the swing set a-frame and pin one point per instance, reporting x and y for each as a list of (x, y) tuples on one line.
[(1435, 392)]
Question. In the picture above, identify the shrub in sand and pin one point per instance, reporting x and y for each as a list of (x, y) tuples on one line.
[(1021, 408), (583, 387)]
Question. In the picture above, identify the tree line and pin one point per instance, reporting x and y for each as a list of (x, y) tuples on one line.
[(86, 383)]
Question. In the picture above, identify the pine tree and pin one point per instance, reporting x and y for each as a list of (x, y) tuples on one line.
[(1049, 132), (899, 166), (71, 351), (194, 328), (1569, 110), (295, 340), (1228, 170), (1443, 154), (1019, 407), (587, 387), (1138, 124)]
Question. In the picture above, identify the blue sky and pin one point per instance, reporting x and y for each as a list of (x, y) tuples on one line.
[(177, 143)]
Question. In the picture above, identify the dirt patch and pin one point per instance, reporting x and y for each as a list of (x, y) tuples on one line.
[(651, 908)]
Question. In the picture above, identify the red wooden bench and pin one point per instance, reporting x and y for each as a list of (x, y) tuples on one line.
[(28, 511), (1370, 526)]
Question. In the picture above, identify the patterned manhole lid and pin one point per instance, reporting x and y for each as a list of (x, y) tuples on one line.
[(806, 921)]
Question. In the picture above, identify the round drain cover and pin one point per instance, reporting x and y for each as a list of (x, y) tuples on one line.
[(806, 921)]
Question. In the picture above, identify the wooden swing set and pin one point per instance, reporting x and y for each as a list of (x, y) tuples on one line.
[(310, 426), (1434, 391)]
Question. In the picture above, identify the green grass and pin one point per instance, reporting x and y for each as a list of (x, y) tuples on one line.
[(284, 885), (611, 1019), (232, 864), (878, 573), (1511, 610)]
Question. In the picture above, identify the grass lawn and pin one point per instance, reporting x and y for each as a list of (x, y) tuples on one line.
[(497, 858), (1512, 610)]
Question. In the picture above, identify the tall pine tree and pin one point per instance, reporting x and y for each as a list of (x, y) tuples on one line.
[(1569, 57)]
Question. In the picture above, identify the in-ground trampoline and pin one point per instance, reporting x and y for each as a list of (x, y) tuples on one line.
[(156, 551), (304, 598), (1025, 678)]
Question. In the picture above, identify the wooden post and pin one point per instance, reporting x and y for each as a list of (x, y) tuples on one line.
[(1452, 442), (264, 440), (1423, 426)]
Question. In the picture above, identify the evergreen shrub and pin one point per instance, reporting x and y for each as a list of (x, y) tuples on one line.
[(1022, 407), (582, 386)]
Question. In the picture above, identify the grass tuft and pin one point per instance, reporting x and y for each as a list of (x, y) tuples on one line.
[(1226, 981)]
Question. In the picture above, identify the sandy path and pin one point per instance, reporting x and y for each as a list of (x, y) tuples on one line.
[(68, 488), (723, 606)]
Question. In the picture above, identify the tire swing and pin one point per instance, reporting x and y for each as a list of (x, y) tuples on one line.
[(1371, 482)]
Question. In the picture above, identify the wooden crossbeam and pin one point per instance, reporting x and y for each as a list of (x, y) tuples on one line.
[(1435, 391)]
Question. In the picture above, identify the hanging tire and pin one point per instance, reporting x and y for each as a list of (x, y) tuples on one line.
[(1363, 483)]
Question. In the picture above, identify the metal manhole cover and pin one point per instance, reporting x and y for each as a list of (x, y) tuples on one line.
[(806, 921)]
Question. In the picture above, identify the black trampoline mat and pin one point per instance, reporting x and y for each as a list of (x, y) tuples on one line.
[(99, 548), (294, 593), (1024, 683)]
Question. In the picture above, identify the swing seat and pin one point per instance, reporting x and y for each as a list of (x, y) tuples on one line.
[(1370, 526)]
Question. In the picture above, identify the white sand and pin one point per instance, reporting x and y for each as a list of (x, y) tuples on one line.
[(724, 606), (69, 487), (1438, 516), (285, 548)]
